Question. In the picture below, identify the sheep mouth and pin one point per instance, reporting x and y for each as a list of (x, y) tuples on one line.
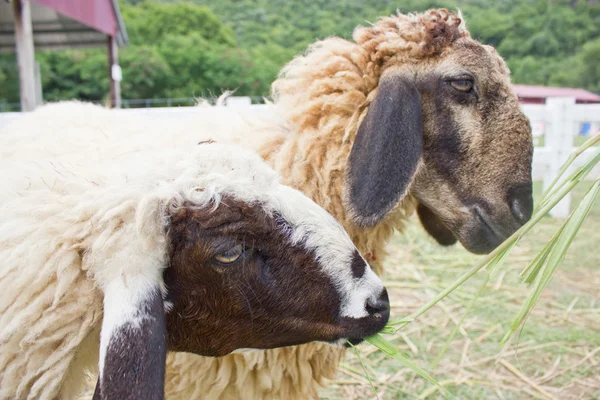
[(485, 222), (480, 229), (336, 332), (482, 234), (364, 327), (350, 342), (479, 232)]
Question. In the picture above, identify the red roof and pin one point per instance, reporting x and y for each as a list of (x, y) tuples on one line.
[(61, 24), (542, 92), (102, 15)]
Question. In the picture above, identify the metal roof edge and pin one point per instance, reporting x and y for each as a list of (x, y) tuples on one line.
[(122, 38)]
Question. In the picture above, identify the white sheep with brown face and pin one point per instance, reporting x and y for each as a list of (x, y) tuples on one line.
[(199, 250)]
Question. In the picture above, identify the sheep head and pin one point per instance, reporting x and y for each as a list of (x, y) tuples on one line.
[(241, 277), (223, 257), (443, 126)]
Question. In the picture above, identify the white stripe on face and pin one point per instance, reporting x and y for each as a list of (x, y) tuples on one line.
[(366, 288), (318, 231)]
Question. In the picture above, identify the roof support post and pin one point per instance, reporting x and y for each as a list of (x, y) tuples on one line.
[(114, 72), (25, 53)]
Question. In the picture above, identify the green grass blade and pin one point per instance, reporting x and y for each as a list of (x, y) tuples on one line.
[(557, 249), (534, 268), (576, 176), (571, 226), (494, 266), (444, 349), (586, 145), (389, 349), (497, 262), (580, 172), (504, 247), (378, 341), (388, 330), (497, 253), (364, 367)]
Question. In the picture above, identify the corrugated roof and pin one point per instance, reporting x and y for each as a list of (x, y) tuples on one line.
[(60, 24), (542, 92)]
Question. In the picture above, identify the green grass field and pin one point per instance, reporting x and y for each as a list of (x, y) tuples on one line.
[(556, 355)]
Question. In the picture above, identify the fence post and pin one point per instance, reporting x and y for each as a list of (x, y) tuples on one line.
[(25, 53), (559, 141)]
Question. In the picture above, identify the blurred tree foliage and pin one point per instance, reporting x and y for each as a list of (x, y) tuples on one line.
[(202, 47)]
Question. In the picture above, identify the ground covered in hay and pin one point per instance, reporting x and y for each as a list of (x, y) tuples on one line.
[(556, 355)]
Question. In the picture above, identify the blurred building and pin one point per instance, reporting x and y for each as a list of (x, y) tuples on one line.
[(529, 94), (26, 25)]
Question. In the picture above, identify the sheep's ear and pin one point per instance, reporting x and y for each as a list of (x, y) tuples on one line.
[(132, 342), (386, 151), (435, 227)]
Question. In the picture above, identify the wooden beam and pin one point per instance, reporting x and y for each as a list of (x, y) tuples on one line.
[(115, 81), (25, 53)]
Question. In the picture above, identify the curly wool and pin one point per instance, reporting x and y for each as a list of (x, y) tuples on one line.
[(322, 97), (324, 106)]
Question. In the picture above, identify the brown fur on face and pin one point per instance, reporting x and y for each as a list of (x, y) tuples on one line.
[(275, 295), (474, 178), (477, 148)]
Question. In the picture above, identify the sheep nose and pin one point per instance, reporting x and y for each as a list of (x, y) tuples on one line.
[(380, 305), (520, 201)]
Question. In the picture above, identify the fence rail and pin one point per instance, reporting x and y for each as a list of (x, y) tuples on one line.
[(558, 121), (145, 103)]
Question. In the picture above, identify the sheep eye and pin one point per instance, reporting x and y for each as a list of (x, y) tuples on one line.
[(230, 256), (463, 85)]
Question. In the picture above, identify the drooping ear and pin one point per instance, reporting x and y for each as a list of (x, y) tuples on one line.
[(435, 227), (132, 342), (386, 151)]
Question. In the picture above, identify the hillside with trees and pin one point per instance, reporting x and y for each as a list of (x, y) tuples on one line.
[(202, 47)]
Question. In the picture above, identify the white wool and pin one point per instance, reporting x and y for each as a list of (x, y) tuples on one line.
[(84, 196), (82, 191)]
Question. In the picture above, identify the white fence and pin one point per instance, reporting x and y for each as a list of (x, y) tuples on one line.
[(559, 119)]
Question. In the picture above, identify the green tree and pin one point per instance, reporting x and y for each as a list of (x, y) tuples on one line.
[(589, 58), (78, 74), (205, 68), (150, 22), (145, 73), (202, 47), (9, 79)]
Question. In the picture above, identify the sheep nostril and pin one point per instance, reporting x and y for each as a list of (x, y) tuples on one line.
[(518, 211), (379, 305), (521, 209), (521, 203)]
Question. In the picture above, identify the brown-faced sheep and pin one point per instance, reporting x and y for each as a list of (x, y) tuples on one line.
[(412, 113), (114, 242)]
